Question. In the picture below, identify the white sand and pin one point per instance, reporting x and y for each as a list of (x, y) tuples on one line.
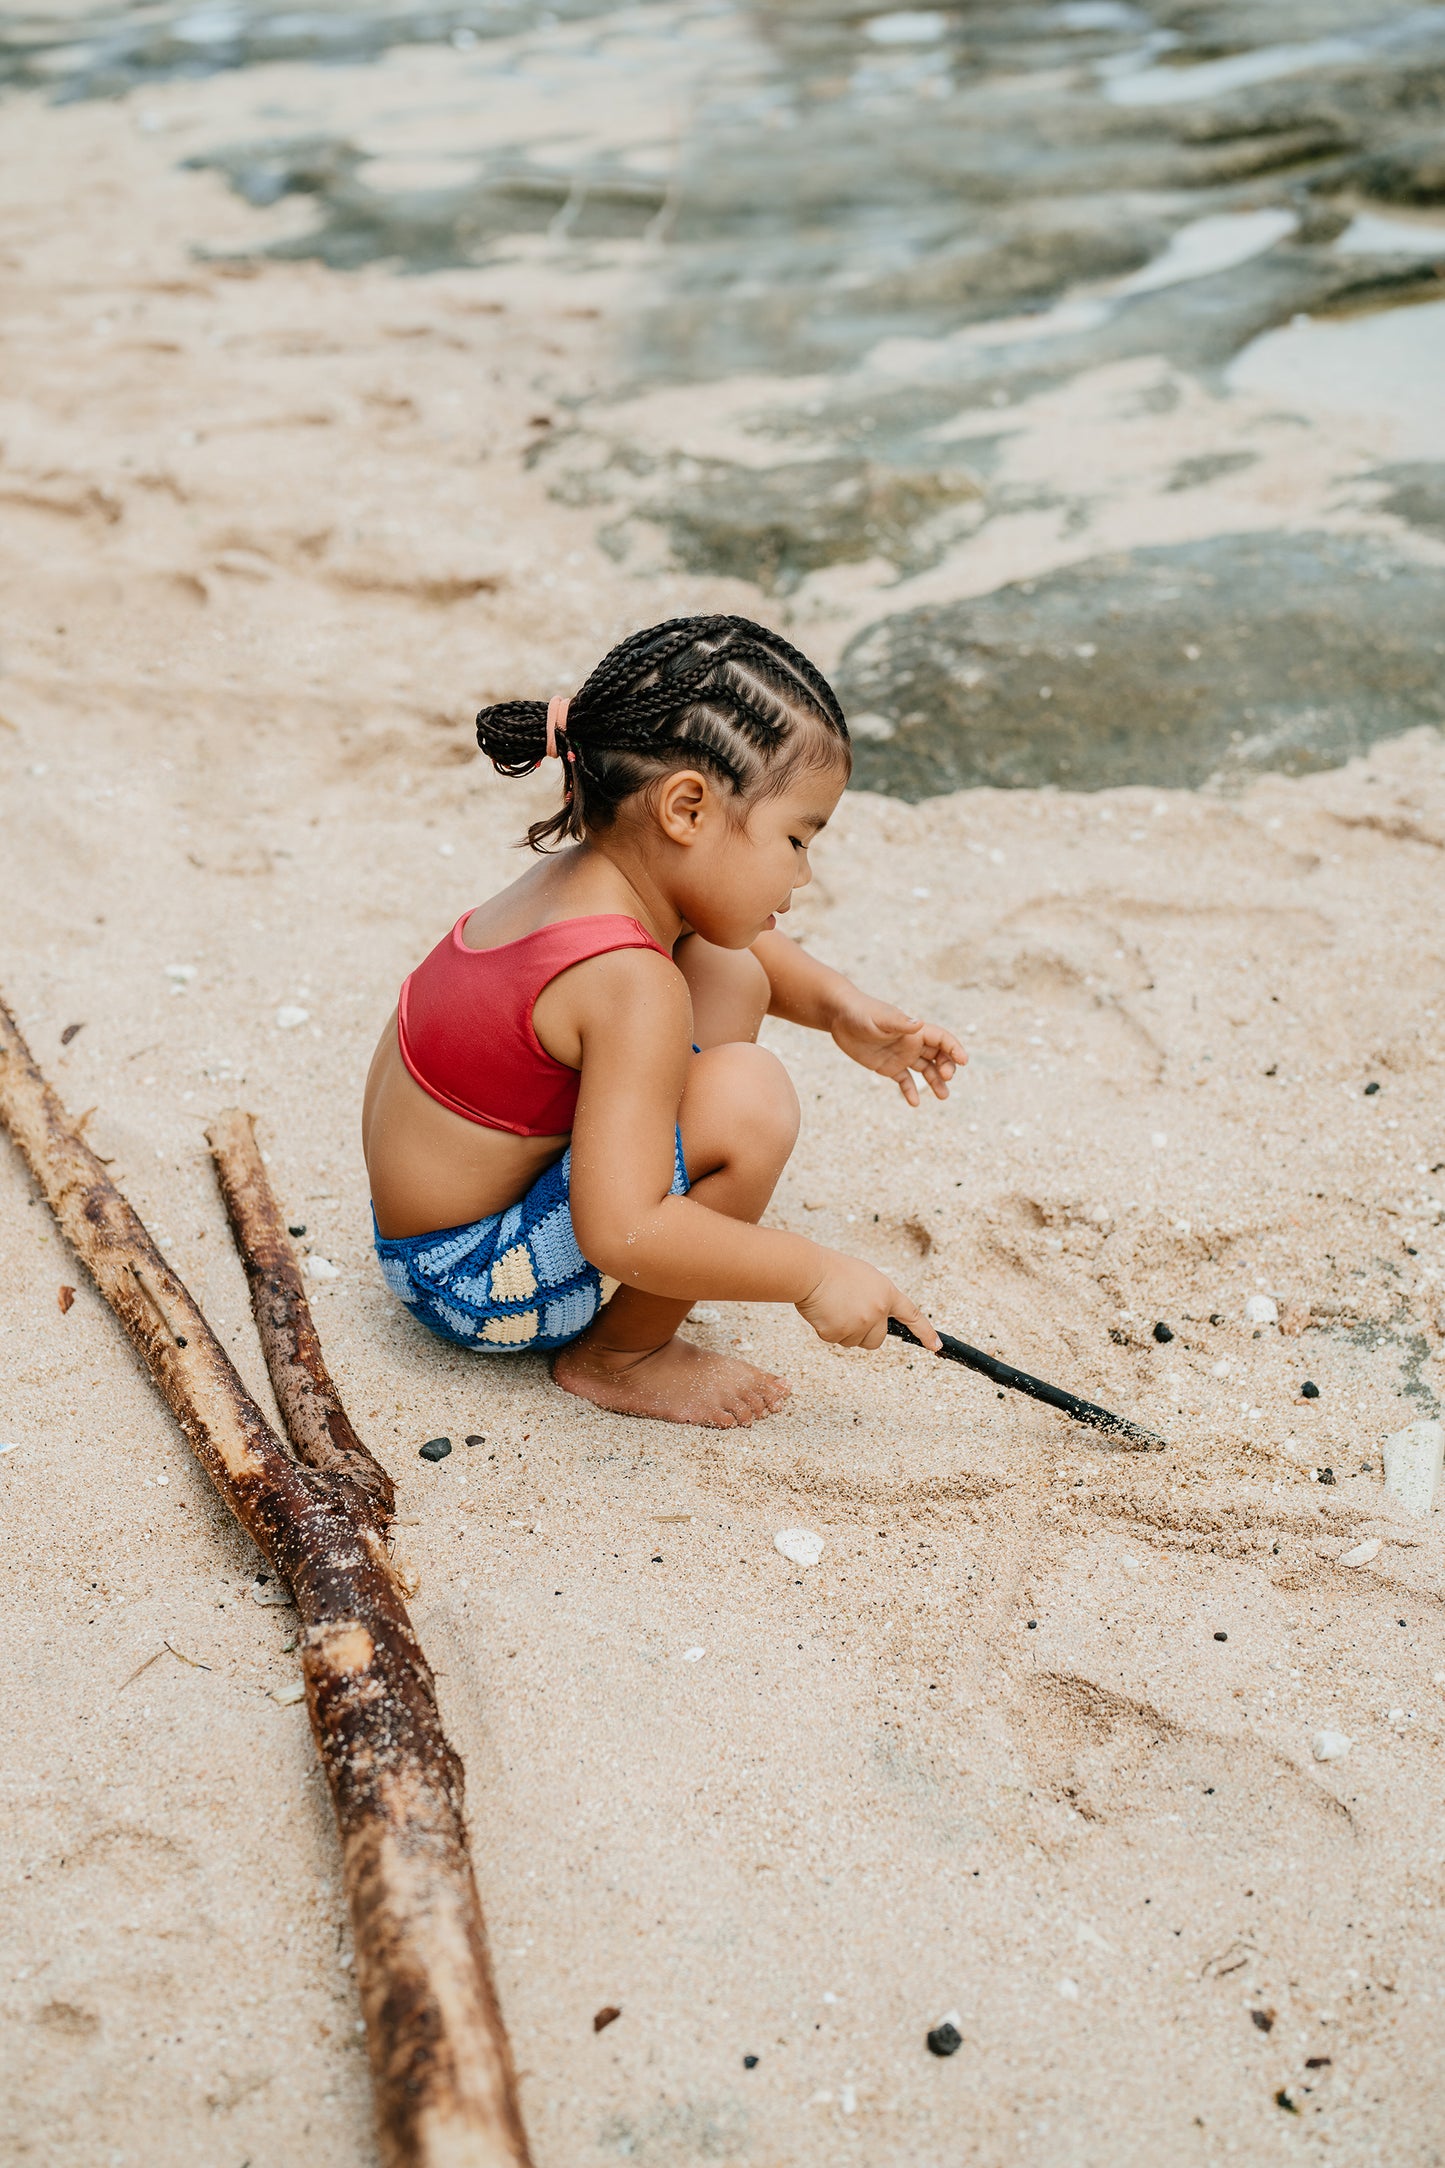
[(267, 542)]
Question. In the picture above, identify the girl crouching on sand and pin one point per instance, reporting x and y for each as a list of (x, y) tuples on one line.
[(571, 1084)]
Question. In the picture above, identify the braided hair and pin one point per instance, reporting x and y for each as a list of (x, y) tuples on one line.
[(718, 693)]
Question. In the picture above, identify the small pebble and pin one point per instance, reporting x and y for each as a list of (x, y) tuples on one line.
[(435, 1449), (1262, 2020), (473, 1439), (275, 1595), (750, 2062), (321, 1269), (287, 1696), (1309, 1390), (1331, 1746), (1324, 1475), (945, 2039), (1362, 1552), (1261, 1310), (69, 1033), (1221, 1637), (800, 1545), (607, 2015), (1163, 1333), (288, 1019), (693, 1656), (297, 1232), (65, 1298), (1370, 1090)]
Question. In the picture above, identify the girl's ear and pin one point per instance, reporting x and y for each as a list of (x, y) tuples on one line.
[(683, 802)]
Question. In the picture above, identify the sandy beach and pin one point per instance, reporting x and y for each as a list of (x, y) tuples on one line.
[(270, 535)]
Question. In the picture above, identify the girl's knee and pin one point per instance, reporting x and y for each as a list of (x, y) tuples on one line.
[(743, 1093)]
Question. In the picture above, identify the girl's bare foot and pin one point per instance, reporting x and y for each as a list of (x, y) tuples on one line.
[(677, 1382)]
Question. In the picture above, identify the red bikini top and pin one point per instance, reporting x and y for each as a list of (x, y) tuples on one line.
[(464, 1022)]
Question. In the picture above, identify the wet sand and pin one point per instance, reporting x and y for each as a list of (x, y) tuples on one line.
[(270, 536)]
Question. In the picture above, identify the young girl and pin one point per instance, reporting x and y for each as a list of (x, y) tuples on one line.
[(571, 1084)]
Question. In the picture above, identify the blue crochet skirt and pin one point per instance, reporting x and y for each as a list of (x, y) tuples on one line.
[(515, 1280)]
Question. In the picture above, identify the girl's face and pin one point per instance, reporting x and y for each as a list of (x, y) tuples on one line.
[(734, 877)]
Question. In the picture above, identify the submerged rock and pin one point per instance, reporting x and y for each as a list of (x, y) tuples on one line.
[(775, 525), (1167, 666)]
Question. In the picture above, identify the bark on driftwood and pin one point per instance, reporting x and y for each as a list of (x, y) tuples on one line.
[(318, 1425), (442, 2070)]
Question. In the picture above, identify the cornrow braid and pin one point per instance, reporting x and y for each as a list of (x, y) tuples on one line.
[(717, 693)]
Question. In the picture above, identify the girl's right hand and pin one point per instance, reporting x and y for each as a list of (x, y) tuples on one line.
[(852, 1303)]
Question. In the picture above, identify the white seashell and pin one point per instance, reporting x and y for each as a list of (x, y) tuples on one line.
[(1261, 1310), (1412, 1465), (321, 1268), (1362, 1552), (1331, 1746), (287, 1019), (693, 1656), (270, 1592), (287, 1695), (799, 1544)]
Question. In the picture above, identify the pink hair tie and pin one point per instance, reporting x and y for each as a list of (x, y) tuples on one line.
[(557, 708)]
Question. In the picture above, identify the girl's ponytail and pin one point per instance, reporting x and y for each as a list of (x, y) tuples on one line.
[(514, 735)]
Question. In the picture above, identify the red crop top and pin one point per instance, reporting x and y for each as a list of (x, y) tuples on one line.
[(464, 1022)]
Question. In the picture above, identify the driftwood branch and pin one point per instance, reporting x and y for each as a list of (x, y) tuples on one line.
[(318, 1425), (441, 2066)]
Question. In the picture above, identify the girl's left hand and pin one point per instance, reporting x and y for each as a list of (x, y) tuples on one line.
[(884, 1039)]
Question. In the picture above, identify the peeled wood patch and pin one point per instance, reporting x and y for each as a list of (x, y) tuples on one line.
[(344, 1646)]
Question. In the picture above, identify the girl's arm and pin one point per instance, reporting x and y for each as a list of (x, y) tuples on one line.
[(871, 1032), (634, 1019)]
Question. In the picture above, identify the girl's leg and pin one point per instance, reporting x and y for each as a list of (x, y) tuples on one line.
[(739, 1122), (729, 988)]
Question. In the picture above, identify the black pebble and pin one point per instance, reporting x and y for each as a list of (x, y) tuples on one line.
[(1263, 2020), (1309, 1390), (181, 1341), (436, 1449), (1221, 1637), (1033, 1622), (1163, 1334), (473, 1439), (298, 1232), (945, 2040), (657, 1558), (1370, 1090), (1325, 1475), (750, 2062), (1216, 1317)]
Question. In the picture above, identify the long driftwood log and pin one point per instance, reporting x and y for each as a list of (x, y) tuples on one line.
[(441, 2066)]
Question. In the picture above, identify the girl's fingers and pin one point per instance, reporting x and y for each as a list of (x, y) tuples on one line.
[(908, 1088), (909, 1314)]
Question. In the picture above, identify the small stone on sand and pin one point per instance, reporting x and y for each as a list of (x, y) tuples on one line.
[(1163, 1333), (1331, 1746), (1261, 1310), (288, 1019), (321, 1269), (1362, 1552), (1309, 1390), (435, 1449), (945, 2039), (799, 1544)]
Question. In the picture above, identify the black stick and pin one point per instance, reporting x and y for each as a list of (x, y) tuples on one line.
[(1019, 1381)]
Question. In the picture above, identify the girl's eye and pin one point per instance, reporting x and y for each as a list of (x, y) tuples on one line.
[(797, 843)]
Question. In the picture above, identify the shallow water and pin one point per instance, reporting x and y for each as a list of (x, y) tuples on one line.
[(909, 308)]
